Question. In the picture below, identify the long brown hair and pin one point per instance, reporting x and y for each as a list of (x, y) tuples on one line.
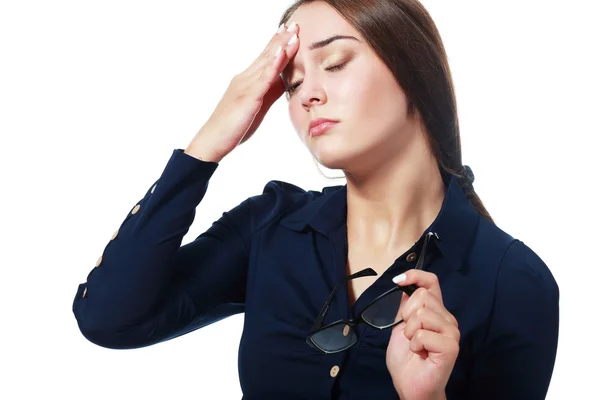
[(404, 36)]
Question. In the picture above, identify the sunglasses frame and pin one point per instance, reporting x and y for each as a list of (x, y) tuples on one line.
[(318, 325)]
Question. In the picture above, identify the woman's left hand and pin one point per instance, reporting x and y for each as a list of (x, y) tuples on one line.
[(423, 348)]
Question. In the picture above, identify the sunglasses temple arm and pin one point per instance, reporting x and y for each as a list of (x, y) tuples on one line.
[(319, 320), (421, 260), (410, 289)]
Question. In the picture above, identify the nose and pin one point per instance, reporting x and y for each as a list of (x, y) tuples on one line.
[(311, 93)]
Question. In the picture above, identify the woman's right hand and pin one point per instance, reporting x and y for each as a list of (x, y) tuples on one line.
[(245, 103)]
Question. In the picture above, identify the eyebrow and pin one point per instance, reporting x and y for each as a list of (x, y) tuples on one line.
[(323, 43)]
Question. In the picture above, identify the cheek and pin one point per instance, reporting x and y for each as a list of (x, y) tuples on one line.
[(357, 89), (375, 102), (362, 103)]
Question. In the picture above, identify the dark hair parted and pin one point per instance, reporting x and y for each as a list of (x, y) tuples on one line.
[(404, 36)]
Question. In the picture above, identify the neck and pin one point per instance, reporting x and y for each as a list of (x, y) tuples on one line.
[(391, 206)]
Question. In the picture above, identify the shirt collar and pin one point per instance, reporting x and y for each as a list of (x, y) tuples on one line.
[(455, 224)]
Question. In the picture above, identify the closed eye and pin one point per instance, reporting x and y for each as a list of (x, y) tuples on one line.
[(292, 88)]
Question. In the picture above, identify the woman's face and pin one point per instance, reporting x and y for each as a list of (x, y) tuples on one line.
[(345, 81)]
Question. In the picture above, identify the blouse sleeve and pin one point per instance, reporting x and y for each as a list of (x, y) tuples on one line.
[(146, 287), (520, 349)]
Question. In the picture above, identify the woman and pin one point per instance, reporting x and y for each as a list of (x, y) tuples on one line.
[(324, 278)]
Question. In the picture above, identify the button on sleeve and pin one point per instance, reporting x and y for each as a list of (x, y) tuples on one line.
[(149, 288)]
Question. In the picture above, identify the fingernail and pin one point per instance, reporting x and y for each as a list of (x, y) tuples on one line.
[(280, 28), (399, 278), (291, 27), (293, 39), (278, 50)]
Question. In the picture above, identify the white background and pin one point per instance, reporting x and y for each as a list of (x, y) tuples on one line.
[(94, 97)]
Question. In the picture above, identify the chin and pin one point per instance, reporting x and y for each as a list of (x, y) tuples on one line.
[(336, 158), (338, 151)]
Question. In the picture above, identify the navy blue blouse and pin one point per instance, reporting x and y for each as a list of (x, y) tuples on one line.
[(277, 256)]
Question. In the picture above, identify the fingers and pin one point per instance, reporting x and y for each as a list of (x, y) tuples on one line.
[(277, 53), (422, 279), (423, 298), (286, 42), (428, 325), (428, 295), (428, 320), (432, 342)]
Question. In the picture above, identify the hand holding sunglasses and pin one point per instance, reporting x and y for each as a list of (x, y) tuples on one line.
[(424, 342), (423, 348)]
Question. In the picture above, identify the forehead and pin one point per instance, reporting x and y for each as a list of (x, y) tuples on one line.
[(318, 21)]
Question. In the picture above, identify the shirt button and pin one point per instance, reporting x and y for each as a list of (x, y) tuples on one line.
[(411, 257), (135, 209), (114, 235), (346, 330), (153, 187), (84, 292), (99, 261), (334, 371)]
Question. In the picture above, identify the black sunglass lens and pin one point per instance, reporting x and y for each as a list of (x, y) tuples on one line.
[(334, 338), (385, 311)]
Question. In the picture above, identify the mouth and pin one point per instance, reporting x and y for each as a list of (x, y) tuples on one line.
[(320, 127)]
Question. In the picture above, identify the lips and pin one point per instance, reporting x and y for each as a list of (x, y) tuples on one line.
[(320, 125)]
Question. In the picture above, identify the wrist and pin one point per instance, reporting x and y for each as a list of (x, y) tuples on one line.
[(203, 153), (434, 396)]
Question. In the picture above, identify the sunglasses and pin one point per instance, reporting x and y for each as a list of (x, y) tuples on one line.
[(381, 313)]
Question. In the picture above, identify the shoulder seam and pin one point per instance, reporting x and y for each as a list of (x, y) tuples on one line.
[(281, 185)]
